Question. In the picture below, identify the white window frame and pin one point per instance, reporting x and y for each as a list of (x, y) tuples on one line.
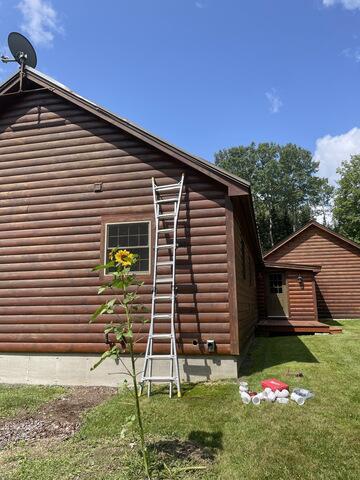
[(137, 272)]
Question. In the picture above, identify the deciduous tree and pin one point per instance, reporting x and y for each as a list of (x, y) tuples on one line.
[(347, 199), (287, 192)]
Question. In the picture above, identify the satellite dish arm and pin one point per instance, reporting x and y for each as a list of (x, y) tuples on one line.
[(5, 59)]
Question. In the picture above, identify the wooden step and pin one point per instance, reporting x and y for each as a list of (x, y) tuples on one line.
[(270, 325), (334, 329)]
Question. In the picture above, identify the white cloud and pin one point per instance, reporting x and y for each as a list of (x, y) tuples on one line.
[(40, 21), (348, 4), (275, 102), (332, 150), (352, 53)]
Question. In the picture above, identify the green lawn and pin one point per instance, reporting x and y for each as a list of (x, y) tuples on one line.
[(317, 441), (15, 400)]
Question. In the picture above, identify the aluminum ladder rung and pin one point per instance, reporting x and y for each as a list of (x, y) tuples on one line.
[(161, 357), (164, 280), (162, 197), (161, 335), (167, 200), (163, 188), (163, 297), (159, 379)]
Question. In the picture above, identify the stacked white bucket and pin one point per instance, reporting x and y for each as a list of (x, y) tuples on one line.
[(268, 395)]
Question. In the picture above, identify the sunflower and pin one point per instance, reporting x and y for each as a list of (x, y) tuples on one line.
[(125, 258)]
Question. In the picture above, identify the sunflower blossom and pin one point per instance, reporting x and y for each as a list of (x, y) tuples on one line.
[(125, 258)]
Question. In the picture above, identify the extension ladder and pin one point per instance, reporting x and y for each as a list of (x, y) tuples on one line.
[(165, 225)]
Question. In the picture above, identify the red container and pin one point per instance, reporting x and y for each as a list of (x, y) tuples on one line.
[(274, 384)]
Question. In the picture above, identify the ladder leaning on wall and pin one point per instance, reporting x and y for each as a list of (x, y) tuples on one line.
[(166, 221)]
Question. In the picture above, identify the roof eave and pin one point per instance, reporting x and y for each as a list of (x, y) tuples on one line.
[(235, 185), (292, 266)]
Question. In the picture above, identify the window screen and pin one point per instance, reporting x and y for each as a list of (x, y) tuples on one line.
[(133, 237), (276, 283)]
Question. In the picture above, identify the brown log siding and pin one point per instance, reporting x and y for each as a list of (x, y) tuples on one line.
[(338, 283), (301, 296), (245, 279), (51, 154)]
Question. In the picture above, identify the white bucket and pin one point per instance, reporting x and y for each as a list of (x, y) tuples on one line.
[(297, 398), (271, 396), (262, 395), (283, 394), (303, 392), (245, 397), (256, 399), (244, 387), (282, 400)]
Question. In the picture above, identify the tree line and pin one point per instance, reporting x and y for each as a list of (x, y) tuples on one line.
[(288, 192)]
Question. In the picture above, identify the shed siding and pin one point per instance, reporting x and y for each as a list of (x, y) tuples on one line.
[(338, 283), (51, 154), (302, 299)]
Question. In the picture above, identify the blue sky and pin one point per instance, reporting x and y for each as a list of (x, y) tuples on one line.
[(208, 74)]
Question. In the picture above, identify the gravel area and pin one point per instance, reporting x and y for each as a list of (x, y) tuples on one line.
[(59, 419)]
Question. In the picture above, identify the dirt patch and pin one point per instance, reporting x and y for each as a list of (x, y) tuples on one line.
[(60, 418), (183, 450)]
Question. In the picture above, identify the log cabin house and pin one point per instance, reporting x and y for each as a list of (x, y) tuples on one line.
[(75, 182), (313, 274)]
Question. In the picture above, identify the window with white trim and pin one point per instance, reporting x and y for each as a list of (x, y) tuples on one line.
[(276, 282), (131, 236)]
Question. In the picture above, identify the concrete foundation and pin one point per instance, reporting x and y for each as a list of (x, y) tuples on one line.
[(74, 369)]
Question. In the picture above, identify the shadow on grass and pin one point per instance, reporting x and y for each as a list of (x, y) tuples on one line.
[(211, 440), (200, 446), (331, 322), (164, 390), (267, 352)]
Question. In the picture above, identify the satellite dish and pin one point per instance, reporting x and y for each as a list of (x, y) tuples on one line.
[(22, 50)]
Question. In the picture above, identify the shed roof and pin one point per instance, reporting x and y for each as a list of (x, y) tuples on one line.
[(311, 223), (292, 266)]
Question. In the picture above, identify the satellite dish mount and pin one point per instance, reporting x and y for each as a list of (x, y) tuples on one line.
[(23, 52)]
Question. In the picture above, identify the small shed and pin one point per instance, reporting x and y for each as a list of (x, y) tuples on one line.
[(337, 283), (287, 298)]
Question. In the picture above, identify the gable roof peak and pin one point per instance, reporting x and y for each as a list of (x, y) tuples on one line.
[(311, 223)]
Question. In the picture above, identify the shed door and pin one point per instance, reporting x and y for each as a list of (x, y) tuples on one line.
[(277, 297)]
